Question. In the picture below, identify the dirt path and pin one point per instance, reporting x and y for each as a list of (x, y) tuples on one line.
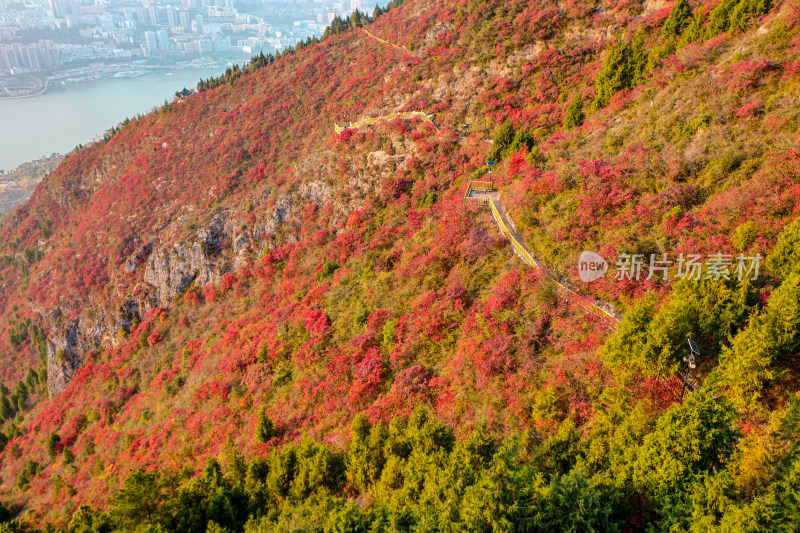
[(384, 41), (367, 121)]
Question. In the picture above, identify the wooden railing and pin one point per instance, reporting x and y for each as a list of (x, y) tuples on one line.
[(480, 186), (484, 186)]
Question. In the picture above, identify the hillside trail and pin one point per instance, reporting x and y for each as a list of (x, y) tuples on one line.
[(384, 41), (485, 194), (372, 120)]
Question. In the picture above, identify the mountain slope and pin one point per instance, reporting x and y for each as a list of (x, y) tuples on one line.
[(227, 278)]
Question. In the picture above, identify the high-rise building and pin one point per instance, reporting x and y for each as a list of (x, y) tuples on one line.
[(31, 57), (163, 41), (19, 55), (150, 43), (221, 44), (74, 8), (48, 54), (58, 8), (8, 59)]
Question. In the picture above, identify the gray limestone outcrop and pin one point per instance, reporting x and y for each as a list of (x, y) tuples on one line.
[(224, 244)]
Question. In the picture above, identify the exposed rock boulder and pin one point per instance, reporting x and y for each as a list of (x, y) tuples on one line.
[(70, 341), (224, 245), (171, 270)]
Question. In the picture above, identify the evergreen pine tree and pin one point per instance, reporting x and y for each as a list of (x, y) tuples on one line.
[(502, 138), (574, 116), (679, 18), (265, 430), (139, 500), (53, 441), (623, 68), (6, 409)]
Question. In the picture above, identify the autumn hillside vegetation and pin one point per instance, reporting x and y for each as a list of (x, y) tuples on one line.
[(226, 317)]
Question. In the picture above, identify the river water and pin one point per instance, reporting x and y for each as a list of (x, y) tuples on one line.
[(66, 116)]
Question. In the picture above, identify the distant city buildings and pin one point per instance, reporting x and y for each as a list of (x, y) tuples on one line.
[(85, 39), (150, 43), (16, 57)]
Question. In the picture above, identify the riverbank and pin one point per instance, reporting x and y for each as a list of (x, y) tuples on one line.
[(37, 91), (16, 186), (67, 115)]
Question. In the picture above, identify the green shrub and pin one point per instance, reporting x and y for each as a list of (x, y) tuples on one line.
[(53, 440), (574, 116), (87, 520), (6, 409), (365, 457), (140, 499), (282, 466), (719, 18), (744, 235), (785, 257), (28, 472), (773, 335), (654, 341), (318, 468), (428, 199), (389, 332), (507, 141), (694, 30), (502, 137), (735, 15), (575, 503), (522, 139), (328, 269)]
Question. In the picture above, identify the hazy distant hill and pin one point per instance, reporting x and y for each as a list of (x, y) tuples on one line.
[(17, 185)]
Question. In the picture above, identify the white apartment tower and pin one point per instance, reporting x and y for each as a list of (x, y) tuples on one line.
[(163, 41)]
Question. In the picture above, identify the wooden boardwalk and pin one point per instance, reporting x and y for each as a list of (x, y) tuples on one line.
[(486, 195)]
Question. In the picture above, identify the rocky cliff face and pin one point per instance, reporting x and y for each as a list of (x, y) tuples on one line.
[(67, 346), (172, 270), (168, 271), (63, 356), (228, 240), (224, 245), (70, 341)]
